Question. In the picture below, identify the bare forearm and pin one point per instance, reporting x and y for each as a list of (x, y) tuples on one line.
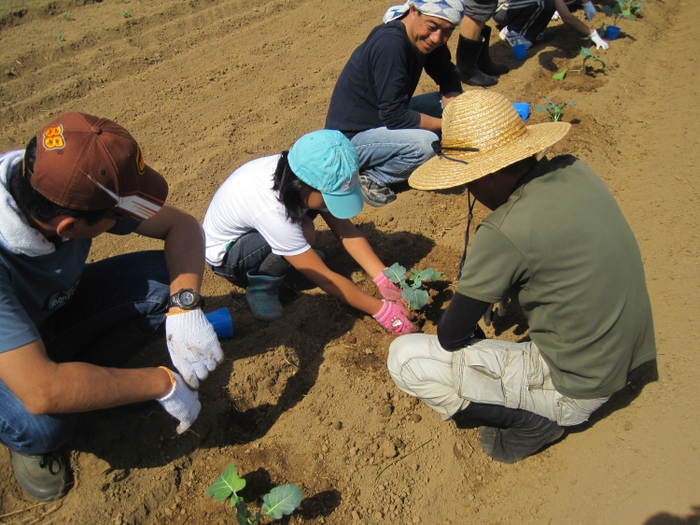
[(348, 292), (81, 387), (184, 255), (430, 123), (572, 21), (184, 245), (361, 251)]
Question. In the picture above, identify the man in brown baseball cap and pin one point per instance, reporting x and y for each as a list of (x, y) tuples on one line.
[(557, 242), (62, 320)]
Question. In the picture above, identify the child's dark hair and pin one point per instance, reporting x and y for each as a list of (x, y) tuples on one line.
[(32, 203), (290, 188)]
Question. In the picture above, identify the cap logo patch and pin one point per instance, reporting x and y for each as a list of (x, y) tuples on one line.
[(140, 164), (53, 137), (349, 184)]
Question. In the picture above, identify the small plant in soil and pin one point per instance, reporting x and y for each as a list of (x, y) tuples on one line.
[(411, 283), (59, 36), (589, 59), (66, 16), (126, 14), (628, 9), (555, 110), (280, 501)]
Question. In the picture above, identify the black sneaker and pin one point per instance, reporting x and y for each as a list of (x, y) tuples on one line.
[(45, 477), (374, 194), (509, 445)]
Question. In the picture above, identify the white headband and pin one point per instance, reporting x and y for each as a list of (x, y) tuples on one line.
[(450, 10)]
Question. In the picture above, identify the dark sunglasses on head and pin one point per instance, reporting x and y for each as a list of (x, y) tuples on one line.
[(439, 150)]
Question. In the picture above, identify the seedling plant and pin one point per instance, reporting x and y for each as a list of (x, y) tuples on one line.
[(280, 501), (556, 110), (628, 9), (587, 65), (411, 282)]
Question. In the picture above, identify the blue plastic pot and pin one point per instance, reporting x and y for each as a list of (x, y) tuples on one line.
[(221, 321), (612, 32), (523, 109), (520, 51)]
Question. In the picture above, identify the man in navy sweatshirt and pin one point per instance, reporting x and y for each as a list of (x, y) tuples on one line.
[(373, 102)]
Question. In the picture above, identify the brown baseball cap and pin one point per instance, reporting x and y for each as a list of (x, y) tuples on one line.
[(85, 162)]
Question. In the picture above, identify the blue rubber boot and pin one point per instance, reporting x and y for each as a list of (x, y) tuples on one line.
[(262, 296)]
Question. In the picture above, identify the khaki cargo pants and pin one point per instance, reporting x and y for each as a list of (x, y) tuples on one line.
[(488, 371)]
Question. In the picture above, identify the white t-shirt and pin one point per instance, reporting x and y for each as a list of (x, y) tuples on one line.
[(247, 202)]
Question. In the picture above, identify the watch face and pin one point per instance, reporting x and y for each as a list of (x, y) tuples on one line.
[(187, 298)]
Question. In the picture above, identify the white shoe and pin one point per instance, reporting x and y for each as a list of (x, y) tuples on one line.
[(514, 38)]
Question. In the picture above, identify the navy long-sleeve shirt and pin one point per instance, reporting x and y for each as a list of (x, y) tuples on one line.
[(377, 83)]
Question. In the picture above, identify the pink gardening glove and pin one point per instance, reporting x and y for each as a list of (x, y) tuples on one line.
[(390, 291), (394, 319)]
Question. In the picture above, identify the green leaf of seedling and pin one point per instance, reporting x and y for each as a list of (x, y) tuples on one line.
[(571, 103), (415, 298), (436, 276), (539, 108), (395, 273), (585, 52), (415, 278), (556, 76), (424, 275), (282, 500), (243, 514), (227, 484), (607, 10), (603, 64)]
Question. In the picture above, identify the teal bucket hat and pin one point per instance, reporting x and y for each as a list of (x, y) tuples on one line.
[(327, 161)]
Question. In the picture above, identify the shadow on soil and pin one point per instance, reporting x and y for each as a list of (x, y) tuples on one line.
[(143, 435)]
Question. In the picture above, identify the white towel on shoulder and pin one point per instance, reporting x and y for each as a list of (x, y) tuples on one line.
[(15, 234)]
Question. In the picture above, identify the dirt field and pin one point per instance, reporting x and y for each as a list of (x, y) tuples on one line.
[(205, 85)]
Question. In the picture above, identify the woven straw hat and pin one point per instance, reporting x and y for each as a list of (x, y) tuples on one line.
[(486, 121)]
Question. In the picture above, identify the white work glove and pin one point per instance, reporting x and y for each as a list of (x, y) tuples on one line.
[(588, 10), (193, 345), (599, 42), (181, 403)]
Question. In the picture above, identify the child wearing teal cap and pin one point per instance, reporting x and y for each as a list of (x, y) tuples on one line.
[(259, 223)]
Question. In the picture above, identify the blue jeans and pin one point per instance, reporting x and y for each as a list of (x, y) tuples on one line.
[(389, 156), (117, 298), (245, 254)]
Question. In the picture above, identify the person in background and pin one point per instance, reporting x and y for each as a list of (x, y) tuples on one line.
[(557, 240), (66, 325), (524, 21), (373, 101), (258, 225), (474, 63)]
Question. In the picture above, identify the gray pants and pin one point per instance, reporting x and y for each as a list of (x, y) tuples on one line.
[(480, 10), (488, 371)]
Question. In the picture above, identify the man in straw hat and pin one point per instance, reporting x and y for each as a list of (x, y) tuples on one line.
[(373, 102), (556, 239), (63, 323)]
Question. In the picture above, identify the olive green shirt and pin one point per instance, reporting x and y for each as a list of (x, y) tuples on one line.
[(562, 244)]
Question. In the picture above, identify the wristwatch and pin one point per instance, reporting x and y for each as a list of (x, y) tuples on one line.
[(187, 299)]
